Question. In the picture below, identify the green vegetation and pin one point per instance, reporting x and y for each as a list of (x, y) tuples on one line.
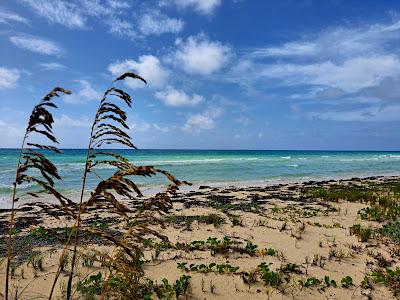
[(36, 261), (392, 231), (179, 288), (388, 277), (269, 277), (204, 268), (363, 233), (371, 214), (90, 287), (214, 219), (346, 281)]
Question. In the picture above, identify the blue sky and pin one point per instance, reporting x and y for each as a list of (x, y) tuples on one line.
[(223, 74)]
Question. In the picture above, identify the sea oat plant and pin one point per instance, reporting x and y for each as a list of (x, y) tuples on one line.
[(31, 160), (119, 195)]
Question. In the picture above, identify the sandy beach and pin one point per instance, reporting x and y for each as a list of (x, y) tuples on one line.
[(285, 241)]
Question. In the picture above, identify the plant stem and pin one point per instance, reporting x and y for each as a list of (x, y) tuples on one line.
[(78, 221), (12, 216)]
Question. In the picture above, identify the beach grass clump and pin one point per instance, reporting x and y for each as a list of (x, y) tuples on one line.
[(125, 276), (291, 268), (236, 221), (88, 259), (34, 167), (363, 233), (36, 261), (388, 277)]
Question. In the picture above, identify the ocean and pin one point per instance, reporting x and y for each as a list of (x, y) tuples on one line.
[(215, 167)]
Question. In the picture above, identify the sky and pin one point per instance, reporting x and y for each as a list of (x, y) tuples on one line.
[(222, 74)]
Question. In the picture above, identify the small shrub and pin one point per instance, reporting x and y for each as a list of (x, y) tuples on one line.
[(371, 214), (237, 221), (291, 268), (363, 233), (90, 287), (311, 281), (347, 282), (269, 277), (251, 248), (392, 231), (329, 282)]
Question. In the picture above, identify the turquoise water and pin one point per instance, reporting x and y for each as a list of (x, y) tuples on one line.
[(218, 167)]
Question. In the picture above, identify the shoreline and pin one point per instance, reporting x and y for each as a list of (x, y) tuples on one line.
[(150, 191)]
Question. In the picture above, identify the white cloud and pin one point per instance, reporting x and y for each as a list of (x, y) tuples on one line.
[(337, 42), (58, 12), (157, 23), (202, 121), (147, 66), (36, 44), (11, 135), (287, 49), (205, 7), (174, 97), (85, 94), (118, 4), (142, 126), (66, 121), (121, 28), (200, 56), (8, 78), (6, 17), (352, 75), (52, 66), (390, 113)]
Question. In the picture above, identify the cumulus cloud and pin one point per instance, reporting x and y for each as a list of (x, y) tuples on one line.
[(147, 66), (8, 78), (84, 94), (341, 62), (198, 55), (173, 97), (154, 22), (7, 17), (202, 121), (36, 44), (205, 7)]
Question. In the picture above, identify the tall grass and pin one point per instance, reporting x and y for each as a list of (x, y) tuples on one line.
[(40, 124), (110, 128)]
